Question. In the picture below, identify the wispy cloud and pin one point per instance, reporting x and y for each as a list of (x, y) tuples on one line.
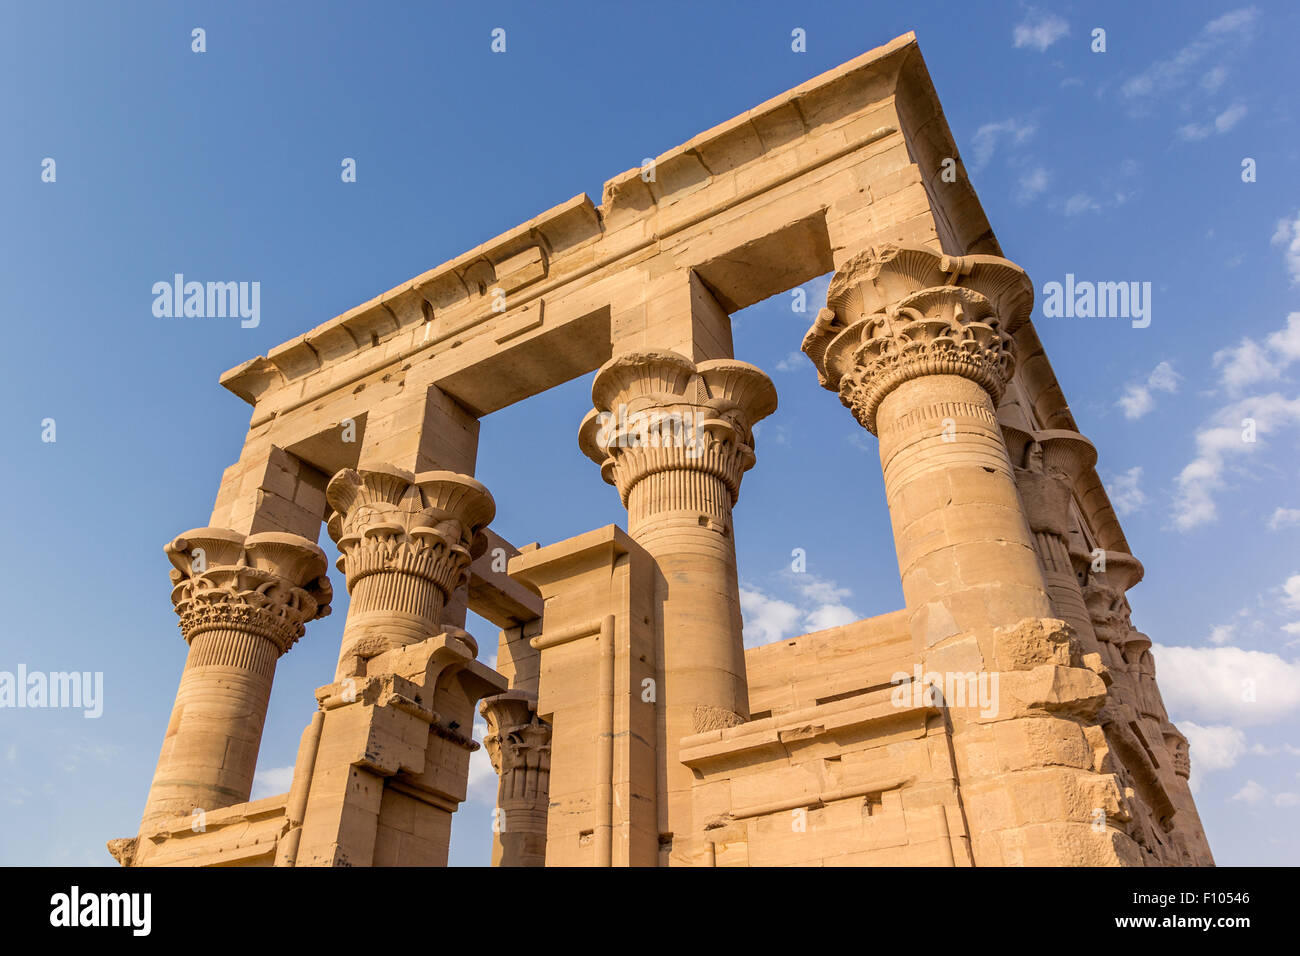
[(1039, 30), (794, 362), (1221, 444), (1126, 494), (1223, 36), (1215, 747), (1220, 124), (1284, 518), (1138, 397), (271, 781), (988, 137), (1032, 184), (1288, 236)]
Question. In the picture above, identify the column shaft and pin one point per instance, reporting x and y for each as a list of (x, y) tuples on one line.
[(965, 552)]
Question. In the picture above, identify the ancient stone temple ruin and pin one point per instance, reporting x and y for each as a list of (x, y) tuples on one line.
[(627, 722)]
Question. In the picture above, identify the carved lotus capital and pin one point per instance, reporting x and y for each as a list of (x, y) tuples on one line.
[(895, 312), (428, 525), (657, 411), (269, 584)]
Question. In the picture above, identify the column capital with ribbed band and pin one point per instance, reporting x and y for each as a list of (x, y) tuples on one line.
[(405, 544), (896, 312), (243, 601), (657, 412), (268, 584)]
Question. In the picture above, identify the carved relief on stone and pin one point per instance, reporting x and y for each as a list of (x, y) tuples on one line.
[(657, 411), (388, 520), (1104, 593), (1177, 746), (268, 584), (1048, 464), (896, 313)]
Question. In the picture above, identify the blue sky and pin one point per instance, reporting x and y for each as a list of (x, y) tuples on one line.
[(1117, 166)]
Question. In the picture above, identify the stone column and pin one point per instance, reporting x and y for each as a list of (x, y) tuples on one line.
[(519, 743), (242, 603), (405, 542), (918, 346), (393, 747), (675, 437), (1047, 465)]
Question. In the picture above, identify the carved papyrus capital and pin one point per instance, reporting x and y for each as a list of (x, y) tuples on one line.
[(268, 584), (519, 745), (387, 520), (657, 411), (895, 313)]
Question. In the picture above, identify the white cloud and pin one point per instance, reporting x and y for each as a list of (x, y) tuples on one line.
[(271, 782), (1291, 592), (1213, 78), (1229, 118), (821, 605), (1081, 203), (1032, 183), (1126, 494), (1284, 518), (1137, 399), (794, 362), (1039, 30), (1228, 683), (1245, 364), (1288, 235), (481, 786), (1222, 634), (830, 615), (986, 139), (1219, 443), (1252, 793), (1220, 124), (1224, 35), (1215, 747), (767, 619)]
